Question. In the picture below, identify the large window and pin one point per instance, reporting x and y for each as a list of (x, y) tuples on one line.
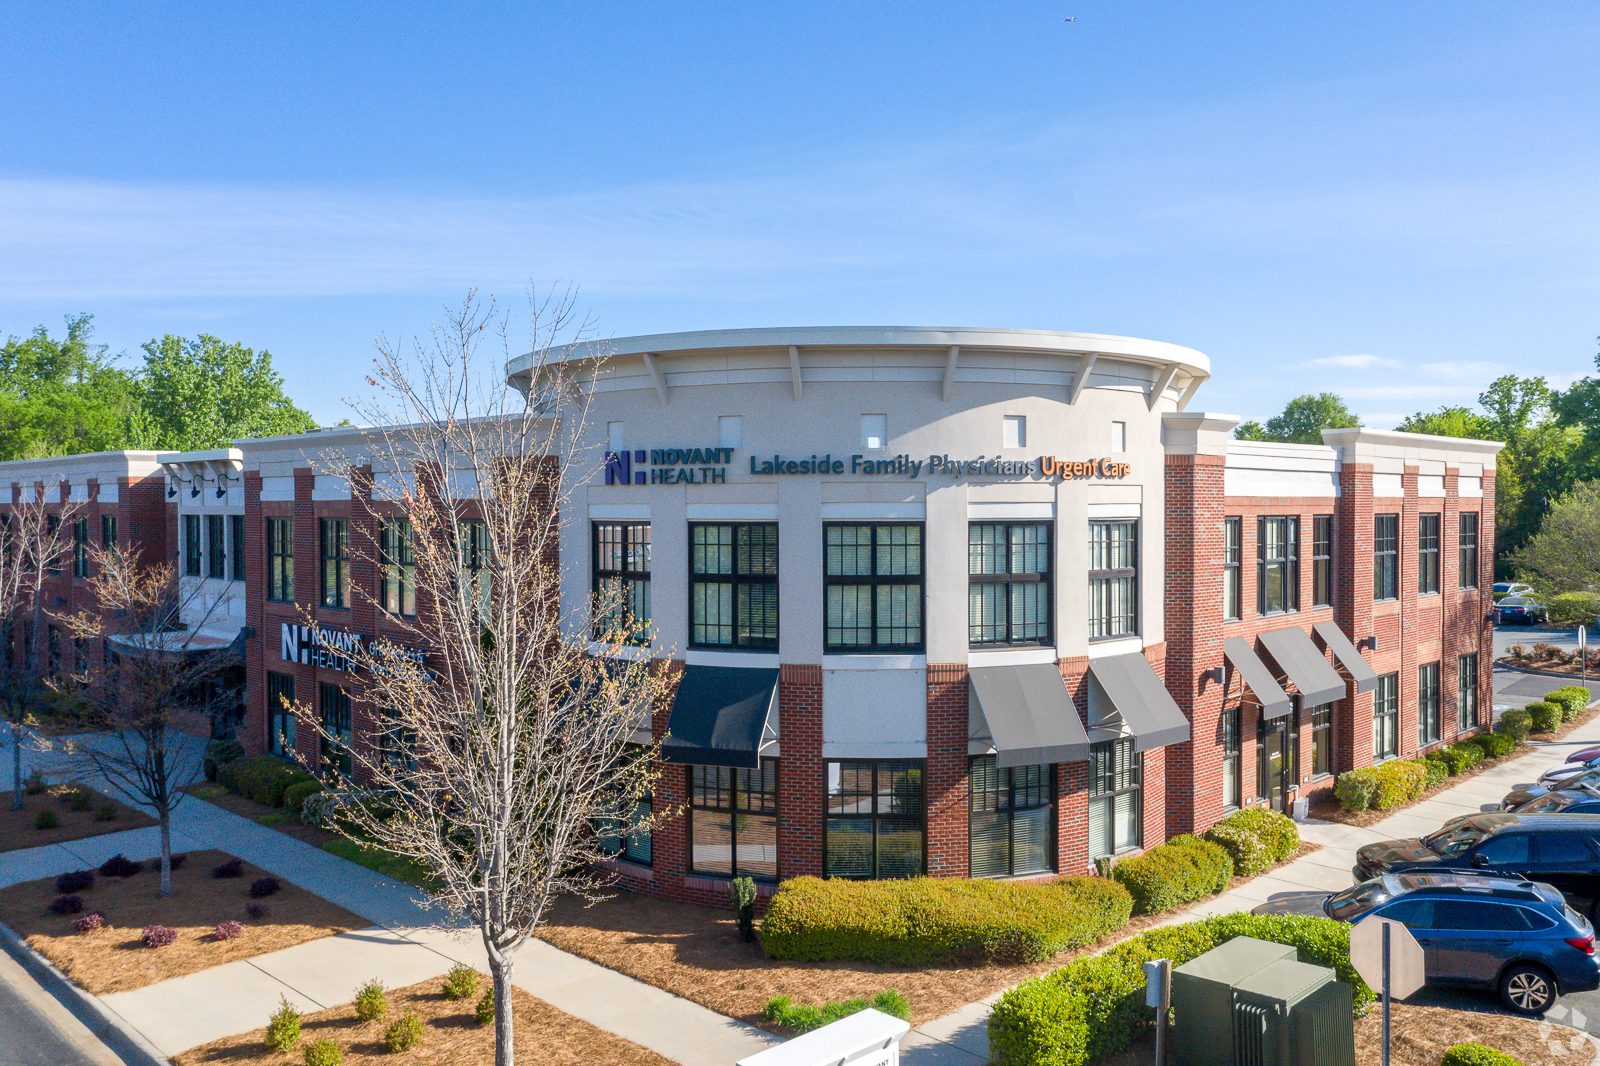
[(476, 553), (216, 546), (1009, 820), (1385, 556), (280, 714), (191, 545), (1467, 691), (280, 560), (733, 821), (872, 588), (236, 539), (876, 819), (1322, 560), (1113, 579), (1322, 740), (622, 575), (627, 834), (1232, 567), (53, 542), (334, 537), (399, 589), (1277, 564), (108, 531), (80, 547), (1008, 586), (1116, 779), (733, 585), (337, 728), (1467, 568), (1232, 787), (1386, 717), (1427, 704), (1428, 553)]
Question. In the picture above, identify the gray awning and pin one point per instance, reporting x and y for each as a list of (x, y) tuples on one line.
[(1126, 698), (1345, 654), (722, 716), (1024, 715), (1307, 667), (1273, 700)]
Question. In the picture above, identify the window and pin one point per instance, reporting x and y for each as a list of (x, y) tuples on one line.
[(1009, 820), (622, 835), (399, 592), (1467, 568), (1322, 740), (875, 821), (1385, 556), (1322, 560), (1014, 431), (1277, 564), (53, 542), (108, 531), (1411, 913), (874, 432), (1119, 436), (1467, 692), (1232, 787), (476, 553), (1427, 704), (337, 728), (1116, 775), (191, 545), (236, 539), (334, 534), (733, 821), (1232, 567), (1113, 579), (872, 588), (53, 639), (280, 715), (733, 586), (1428, 553), (1386, 717), (216, 546), (1565, 849), (1503, 849), (80, 547), (80, 657), (622, 574), (1008, 589), (280, 560), (396, 744)]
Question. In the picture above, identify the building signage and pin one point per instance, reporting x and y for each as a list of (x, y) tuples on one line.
[(330, 649), (669, 466), (709, 466)]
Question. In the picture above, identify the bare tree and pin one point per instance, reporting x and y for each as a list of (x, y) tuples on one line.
[(157, 672), (33, 546), (502, 763)]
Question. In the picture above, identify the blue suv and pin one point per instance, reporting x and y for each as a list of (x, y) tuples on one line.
[(1517, 938)]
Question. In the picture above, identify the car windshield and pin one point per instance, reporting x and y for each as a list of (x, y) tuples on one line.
[(1554, 801), (1357, 900), (1453, 840)]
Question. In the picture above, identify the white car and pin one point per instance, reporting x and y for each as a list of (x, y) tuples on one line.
[(1503, 589), (1557, 774)]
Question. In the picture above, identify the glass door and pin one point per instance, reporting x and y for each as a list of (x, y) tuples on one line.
[(1276, 772)]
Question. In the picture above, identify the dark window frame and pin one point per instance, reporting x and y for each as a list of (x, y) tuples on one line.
[(338, 717), (1103, 770), (741, 545), (1108, 576), (397, 577), (108, 531), (333, 540), (695, 794), (1229, 725), (1467, 550), (216, 547), (1467, 692), (1429, 723), (1005, 801), (635, 847), (191, 545), (1385, 557), (1232, 568), (1008, 581), (1322, 583), (1386, 708), (280, 560), (281, 731), (1286, 564), (80, 547), (1322, 764), (236, 539), (1429, 539), (624, 542), (874, 582), (876, 815)]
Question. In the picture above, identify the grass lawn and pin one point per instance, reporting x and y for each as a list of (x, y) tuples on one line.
[(17, 827), (451, 1036), (113, 959)]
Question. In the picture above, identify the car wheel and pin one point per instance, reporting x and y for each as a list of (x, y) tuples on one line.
[(1527, 989)]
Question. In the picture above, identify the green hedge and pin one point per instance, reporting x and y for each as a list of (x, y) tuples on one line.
[(1574, 700), (1515, 724), (1460, 757), (1573, 608), (1094, 1005), (1433, 772), (262, 778), (1494, 745), (1354, 789), (1182, 870), (926, 921), (1543, 716), (296, 794), (1255, 838), (219, 752), (1476, 1054), (1383, 786)]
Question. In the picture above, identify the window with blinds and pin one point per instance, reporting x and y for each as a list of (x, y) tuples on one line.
[(733, 821), (1113, 579), (1116, 778), (876, 820), (733, 585), (872, 588), (1010, 821), (1008, 586)]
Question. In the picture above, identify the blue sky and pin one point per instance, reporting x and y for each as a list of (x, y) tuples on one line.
[(1396, 202)]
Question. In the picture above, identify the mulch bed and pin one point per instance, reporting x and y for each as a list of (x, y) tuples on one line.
[(272, 817), (17, 831), (114, 959), (451, 1036)]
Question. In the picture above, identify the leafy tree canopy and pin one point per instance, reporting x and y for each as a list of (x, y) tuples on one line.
[(1449, 422), (205, 393), (1302, 421), (62, 396)]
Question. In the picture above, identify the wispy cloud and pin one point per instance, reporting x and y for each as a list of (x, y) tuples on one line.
[(1353, 362)]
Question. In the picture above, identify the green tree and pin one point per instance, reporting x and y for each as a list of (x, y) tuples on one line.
[(1302, 421), (1449, 422), (1564, 555), (62, 396), (205, 393)]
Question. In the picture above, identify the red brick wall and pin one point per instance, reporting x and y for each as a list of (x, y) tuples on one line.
[(948, 796)]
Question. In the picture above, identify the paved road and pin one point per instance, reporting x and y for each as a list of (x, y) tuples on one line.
[(35, 1030)]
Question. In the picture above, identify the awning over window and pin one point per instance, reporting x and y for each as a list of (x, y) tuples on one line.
[(1273, 700), (723, 716), (1126, 698), (1307, 667), (1345, 654), (1024, 716)]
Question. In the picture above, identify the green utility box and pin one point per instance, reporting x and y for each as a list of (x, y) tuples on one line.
[(1202, 998)]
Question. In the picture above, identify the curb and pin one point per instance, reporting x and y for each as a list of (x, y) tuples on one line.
[(1576, 679), (106, 1025)]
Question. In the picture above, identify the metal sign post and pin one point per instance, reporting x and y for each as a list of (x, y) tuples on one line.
[(1388, 958), (1386, 975), (1158, 994), (1583, 659)]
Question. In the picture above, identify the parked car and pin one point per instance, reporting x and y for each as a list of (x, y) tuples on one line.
[(1518, 610), (1586, 778), (1516, 937), (1561, 849), (1586, 755), (1502, 589), (1585, 800), (1554, 776)]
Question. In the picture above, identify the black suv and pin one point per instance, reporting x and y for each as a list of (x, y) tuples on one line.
[(1577, 801), (1559, 849)]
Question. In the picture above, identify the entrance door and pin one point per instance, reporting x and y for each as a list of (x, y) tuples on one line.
[(1276, 771)]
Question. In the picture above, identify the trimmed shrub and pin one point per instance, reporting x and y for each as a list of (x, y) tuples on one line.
[(1574, 700), (1094, 1005), (258, 911), (105, 812), (1515, 724), (88, 923), (1246, 849), (405, 1033), (1543, 717), (1355, 789), (227, 930), (324, 1053), (231, 868), (1495, 745), (77, 798), (76, 881), (46, 819), (803, 1017), (218, 753), (262, 778), (1459, 757), (371, 1003), (283, 1029), (927, 921), (120, 865), (35, 783), (64, 905), (262, 887), (1434, 772), (1182, 870), (742, 894), (1476, 1054), (158, 936), (295, 795), (1399, 780), (461, 982), (484, 1011)]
